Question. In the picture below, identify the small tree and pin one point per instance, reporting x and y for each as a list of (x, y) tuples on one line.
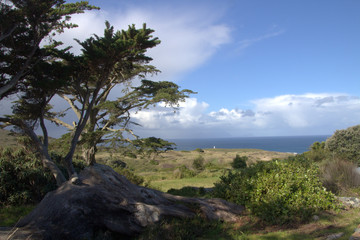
[(153, 145), (239, 162)]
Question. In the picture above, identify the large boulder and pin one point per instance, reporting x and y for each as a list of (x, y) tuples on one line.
[(106, 201)]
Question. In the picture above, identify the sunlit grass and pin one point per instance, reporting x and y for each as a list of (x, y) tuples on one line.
[(165, 185)]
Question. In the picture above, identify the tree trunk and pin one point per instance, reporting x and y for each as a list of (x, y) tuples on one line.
[(107, 201), (56, 172), (89, 155)]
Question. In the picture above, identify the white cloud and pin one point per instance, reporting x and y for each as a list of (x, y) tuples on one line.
[(307, 114), (188, 38)]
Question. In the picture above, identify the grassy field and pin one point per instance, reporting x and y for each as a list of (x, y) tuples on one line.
[(161, 172)]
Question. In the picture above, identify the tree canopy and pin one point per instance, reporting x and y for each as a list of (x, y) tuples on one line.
[(24, 24), (116, 60)]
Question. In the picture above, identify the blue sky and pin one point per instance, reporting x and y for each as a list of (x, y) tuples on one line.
[(260, 67)]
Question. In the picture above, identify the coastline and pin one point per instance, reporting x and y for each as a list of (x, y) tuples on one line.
[(286, 144)]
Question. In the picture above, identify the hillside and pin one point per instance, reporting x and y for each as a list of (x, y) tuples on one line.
[(7, 138)]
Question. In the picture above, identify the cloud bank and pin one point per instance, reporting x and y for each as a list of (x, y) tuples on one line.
[(307, 114)]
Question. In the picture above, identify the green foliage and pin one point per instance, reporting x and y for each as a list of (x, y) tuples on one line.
[(183, 172), (239, 162), (152, 145), (199, 150), (345, 144), (198, 163), (277, 191), (22, 179), (24, 25), (317, 152), (130, 175)]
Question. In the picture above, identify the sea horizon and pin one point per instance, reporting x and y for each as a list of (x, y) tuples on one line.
[(292, 144)]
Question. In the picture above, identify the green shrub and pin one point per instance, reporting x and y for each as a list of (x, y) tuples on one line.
[(239, 162), (199, 150), (198, 163), (317, 152), (278, 191), (345, 144), (22, 178), (183, 172)]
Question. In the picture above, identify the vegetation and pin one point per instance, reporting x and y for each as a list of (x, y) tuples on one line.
[(340, 176), (22, 181), (84, 81), (152, 145), (239, 162), (345, 144), (198, 163), (278, 191), (275, 192)]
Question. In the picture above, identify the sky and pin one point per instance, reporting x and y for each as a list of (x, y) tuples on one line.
[(259, 67)]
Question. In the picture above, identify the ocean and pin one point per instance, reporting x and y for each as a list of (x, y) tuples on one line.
[(293, 144)]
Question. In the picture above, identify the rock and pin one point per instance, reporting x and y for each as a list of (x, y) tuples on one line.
[(106, 201), (335, 236), (355, 236), (351, 202), (316, 218)]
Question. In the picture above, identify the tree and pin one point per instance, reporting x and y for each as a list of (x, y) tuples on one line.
[(115, 60), (24, 24), (153, 145), (85, 81), (42, 83)]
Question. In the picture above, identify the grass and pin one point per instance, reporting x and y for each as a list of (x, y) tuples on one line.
[(162, 174), (165, 185), (250, 228), (10, 215)]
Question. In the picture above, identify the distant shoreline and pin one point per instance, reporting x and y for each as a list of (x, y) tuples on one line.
[(287, 144)]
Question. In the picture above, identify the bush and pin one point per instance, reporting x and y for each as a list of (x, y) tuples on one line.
[(198, 163), (239, 162), (278, 191), (183, 172), (345, 144), (340, 176), (199, 150), (317, 152), (22, 178)]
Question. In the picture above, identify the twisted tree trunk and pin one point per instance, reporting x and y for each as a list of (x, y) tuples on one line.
[(108, 201)]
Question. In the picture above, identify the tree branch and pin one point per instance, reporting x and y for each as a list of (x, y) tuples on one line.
[(59, 122), (72, 105)]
